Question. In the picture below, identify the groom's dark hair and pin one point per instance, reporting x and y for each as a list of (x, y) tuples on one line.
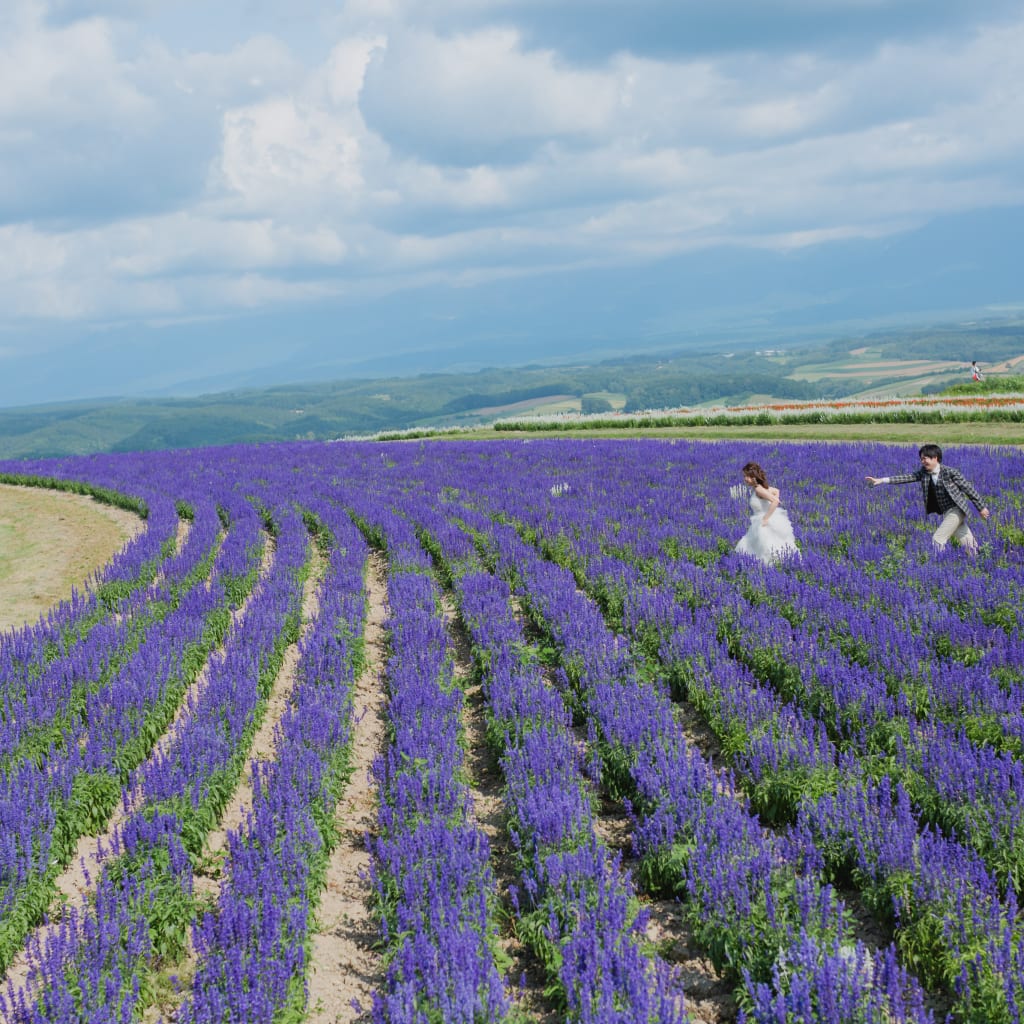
[(933, 451)]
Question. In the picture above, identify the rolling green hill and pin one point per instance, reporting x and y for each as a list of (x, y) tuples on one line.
[(887, 363)]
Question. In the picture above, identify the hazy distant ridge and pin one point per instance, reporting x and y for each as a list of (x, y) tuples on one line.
[(904, 362)]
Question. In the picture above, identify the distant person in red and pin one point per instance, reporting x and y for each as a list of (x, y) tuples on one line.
[(976, 373), (946, 492)]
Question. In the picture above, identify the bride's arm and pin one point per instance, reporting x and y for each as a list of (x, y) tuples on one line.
[(771, 495)]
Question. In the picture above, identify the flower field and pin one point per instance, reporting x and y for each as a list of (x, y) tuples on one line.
[(816, 767), (976, 408)]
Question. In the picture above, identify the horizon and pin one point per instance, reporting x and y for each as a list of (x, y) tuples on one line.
[(201, 200), (880, 333)]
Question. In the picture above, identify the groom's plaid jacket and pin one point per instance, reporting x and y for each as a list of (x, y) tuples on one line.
[(952, 490)]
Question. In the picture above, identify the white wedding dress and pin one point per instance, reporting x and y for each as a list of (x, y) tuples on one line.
[(767, 542)]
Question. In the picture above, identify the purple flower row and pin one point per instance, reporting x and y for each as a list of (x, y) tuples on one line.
[(873, 617), (63, 686), (573, 890), (114, 727), (74, 780), (853, 700), (431, 869), (88, 968), (788, 757), (25, 653), (745, 900), (948, 874), (997, 934), (965, 785), (253, 948), (223, 717), (983, 680)]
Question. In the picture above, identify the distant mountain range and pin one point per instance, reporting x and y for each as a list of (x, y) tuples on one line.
[(890, 362)]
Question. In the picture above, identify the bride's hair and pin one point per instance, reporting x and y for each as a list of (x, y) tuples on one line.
[(756, 473)]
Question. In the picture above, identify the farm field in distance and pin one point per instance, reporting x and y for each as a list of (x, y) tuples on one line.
[(865, 365), (884, 365), (915, 434), (607, 769)]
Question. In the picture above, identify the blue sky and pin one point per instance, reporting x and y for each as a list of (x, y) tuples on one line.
[(198, 196)]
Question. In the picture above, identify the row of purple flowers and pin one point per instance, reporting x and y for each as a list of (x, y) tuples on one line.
[(65, 781), (25, 652), (755, 900), (435, 889), (986, 983), (253, 947), (96, 959), (575, 905)]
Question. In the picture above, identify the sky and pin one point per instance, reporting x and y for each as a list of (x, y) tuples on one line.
[(200, 196)]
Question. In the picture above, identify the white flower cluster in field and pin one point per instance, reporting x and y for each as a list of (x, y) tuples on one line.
[(405, 434), (559, 489)]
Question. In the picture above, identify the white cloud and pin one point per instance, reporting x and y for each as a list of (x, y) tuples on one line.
[(132, 168), (480, 91), (252, 291), (345, 69), (307, 149), (280, 145), (254, 67), (99, 122), (180, 243), (152, 265), (64, 73)]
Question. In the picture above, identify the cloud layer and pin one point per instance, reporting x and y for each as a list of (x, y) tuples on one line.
[(164, 163)]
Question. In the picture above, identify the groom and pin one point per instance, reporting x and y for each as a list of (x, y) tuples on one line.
[(945, 491)]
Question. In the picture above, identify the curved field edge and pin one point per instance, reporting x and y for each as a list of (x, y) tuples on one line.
[(55, 539)]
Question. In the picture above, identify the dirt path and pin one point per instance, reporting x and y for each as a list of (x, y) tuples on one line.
[(525, 974), (280, 694), (191, 697), (263, 749), (709, 997), (345, 969), (51, 542)]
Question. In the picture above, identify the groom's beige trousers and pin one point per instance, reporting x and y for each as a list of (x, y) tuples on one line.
[(954, 524)]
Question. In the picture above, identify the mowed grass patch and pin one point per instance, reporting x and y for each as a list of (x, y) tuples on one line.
[(52, 542)]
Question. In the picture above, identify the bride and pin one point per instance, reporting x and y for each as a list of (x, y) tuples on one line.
[(770, 535)]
